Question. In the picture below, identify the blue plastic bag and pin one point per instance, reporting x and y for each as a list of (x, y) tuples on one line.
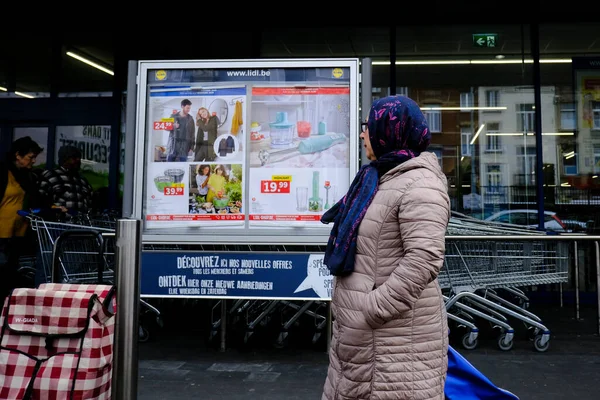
[(465, 382)]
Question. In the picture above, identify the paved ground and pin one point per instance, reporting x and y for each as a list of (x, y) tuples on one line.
[(179, 363)]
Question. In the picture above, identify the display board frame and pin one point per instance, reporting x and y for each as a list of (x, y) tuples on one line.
[(299, 232)]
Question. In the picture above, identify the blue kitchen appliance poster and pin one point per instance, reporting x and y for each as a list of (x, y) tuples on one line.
[(297, 276)]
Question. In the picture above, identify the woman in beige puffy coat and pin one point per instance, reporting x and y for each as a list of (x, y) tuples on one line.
[(390, 333)]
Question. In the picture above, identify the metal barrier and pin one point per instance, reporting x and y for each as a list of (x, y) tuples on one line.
[(575, 239), (497, 250)]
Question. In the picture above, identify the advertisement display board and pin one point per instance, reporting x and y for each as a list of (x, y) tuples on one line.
[(294, 276), (243, 151)]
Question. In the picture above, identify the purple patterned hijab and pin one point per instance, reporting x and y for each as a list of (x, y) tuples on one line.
[(398, 131)]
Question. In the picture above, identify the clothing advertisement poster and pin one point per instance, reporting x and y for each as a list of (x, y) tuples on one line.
[(195, 165)]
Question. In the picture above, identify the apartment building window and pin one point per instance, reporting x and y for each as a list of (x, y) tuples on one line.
[(465, 142), (402, 91), (596, 115), (439, 153), (567, 116), (466, 99), (494, 177), (434, 118), (596, 158), (525, 165), (492, 98), (493, 140), (525, 118)]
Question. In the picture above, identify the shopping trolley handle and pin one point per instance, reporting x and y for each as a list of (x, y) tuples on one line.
[(27, 213), (38, 212)]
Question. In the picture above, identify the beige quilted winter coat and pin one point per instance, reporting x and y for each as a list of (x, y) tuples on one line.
[(390, 332)]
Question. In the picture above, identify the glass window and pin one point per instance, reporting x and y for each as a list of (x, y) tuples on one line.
[(596, 166), (465, 142), (494, 177), (470, 94), (504, 218), (571, 124), (402, 91), (494, 140), (492, 98), (519, 218), (567, 116), (525, 118), (596, 115), (434, 117), (525, 173), (466, 99)]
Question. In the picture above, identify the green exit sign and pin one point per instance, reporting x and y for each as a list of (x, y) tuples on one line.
[(485, 39)]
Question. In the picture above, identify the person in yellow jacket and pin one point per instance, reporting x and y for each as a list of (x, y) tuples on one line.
[(19, 190), (216, 184)]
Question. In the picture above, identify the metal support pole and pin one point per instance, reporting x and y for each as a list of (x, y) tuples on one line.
[(366, 98), (576, 251), (223, 347), (127, 255), (562, 299), (472, 148), (329, 325), (539, 160), (392, 60), (130, 115), (598, 280)]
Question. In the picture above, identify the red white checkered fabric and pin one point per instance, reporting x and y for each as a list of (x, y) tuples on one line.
[(56, 343)]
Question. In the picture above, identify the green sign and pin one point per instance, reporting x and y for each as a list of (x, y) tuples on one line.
[(485, 39)]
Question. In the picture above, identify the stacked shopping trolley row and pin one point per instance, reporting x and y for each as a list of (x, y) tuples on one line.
[(79, 248), (483, 279)]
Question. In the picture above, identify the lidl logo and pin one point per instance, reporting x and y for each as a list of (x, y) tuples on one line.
[(161, 75), (338, 72)]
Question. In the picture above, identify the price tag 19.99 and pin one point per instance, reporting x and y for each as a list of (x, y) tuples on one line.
[(173, 191), (274, 187)]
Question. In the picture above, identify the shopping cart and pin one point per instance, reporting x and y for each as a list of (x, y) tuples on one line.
[(484, 279), (79, 252), (475, 271)]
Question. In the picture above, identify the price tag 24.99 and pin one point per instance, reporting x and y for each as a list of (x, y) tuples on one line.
[(163, 125), (273, 187)]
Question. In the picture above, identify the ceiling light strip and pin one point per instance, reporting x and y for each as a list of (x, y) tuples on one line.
[(90, 63), (463, 108), (3, 89), (477, 133), (529, 134), (24, 95), (476, 62)]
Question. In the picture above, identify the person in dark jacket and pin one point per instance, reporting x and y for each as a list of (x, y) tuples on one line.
[(18, 191), (206, 136)]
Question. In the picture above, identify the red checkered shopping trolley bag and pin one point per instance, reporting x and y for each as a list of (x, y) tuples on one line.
[(56, 342)]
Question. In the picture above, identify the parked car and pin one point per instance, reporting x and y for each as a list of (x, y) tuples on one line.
[(529, 219)]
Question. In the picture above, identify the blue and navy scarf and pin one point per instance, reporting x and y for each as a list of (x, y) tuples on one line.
[(398, 132)]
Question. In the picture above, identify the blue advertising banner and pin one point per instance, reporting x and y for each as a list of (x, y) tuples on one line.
[(294, 276)]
